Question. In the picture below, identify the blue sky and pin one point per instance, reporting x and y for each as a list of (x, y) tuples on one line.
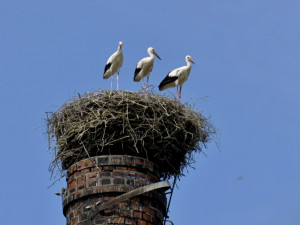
[(247, 64)]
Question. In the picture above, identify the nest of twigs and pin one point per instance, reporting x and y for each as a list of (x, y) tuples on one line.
[(131, 123)]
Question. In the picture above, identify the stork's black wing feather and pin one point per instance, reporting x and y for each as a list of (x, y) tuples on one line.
[(167, 80), (136, 72), (107, 66)]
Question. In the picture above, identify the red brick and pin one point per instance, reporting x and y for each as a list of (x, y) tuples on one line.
[(77, 195), (151, 212), (122, 205), (146, 201), (146, 217), (108, 212), (132, 169), (137, 214), (125, 189), (102, 189), (92, 176), (99, 168), (84, 171), (116, 173), (136, 199), (141, 222), (125, 213), (101, 221), (77, 174), (134, 206), (77, 212), (130, 221), (80, 165), (140, 162), (107, 198), (144, 209), (72, 185), (74, 221), (88, 191), (121, 168), (92, 183), (141, 175), (89, 162), (108, 168), (81, 180), (118, 220), (112, 188), (142, 182), (129, 160), (73, 168)]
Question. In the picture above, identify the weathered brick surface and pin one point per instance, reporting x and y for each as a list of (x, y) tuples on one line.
[(102, 178)]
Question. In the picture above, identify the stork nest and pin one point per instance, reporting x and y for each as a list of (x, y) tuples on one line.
[(131, 123)]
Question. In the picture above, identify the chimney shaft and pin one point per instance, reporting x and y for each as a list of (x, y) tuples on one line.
[(102, 178)]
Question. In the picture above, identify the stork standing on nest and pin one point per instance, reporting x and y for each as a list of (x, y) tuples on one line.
[(145, 66), (113, 65), (177, 77)]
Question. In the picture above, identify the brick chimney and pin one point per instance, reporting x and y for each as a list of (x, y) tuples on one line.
[(102, 178), (115, 147)]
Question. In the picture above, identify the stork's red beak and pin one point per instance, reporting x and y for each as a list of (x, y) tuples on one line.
[(192, 61), (154, 52)]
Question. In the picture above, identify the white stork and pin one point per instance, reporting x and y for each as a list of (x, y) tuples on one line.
[(177, 77), (114, 64), (145, 66)]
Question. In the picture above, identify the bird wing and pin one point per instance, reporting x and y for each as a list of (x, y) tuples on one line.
[(107, 66), (113, 64), (168, 82), (136, 72), (111, 58), (176, 72), (138, 69)]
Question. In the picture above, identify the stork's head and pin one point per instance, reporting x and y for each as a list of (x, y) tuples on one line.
[(152, 51), (189, 59), (120, 44)]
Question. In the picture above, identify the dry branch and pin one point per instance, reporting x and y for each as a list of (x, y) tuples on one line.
[(132, 123)]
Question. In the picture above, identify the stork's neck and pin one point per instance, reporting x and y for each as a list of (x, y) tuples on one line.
[(188, 63), (151, 55), (119, 48)]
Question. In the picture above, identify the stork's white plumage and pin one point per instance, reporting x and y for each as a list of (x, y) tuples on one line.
[(177, 77), (145, 66), (113, 65)]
